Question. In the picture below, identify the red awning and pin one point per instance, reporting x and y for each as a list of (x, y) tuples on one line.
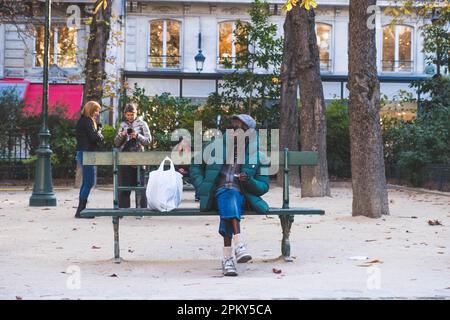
[(66, 96)]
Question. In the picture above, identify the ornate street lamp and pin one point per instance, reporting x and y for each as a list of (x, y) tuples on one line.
[(43, 195), (199, 58)]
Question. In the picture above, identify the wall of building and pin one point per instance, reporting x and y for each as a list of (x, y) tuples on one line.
[(198, 15), (17, 51)]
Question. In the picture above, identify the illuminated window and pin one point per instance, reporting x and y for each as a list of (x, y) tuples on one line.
[(397, 49), (229, 50), (323, 33), (165, 44), (63, 47)]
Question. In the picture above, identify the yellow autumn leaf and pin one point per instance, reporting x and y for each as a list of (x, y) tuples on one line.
[(99, 5), (307, 4)]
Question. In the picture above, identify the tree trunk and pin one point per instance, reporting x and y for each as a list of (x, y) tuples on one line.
[(313, 131), (370, 197), (289, 85), (94, 69)]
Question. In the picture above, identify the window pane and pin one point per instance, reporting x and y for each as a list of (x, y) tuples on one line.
[(404, 48), (156, 44), (67, 47), (324, 44), (240, 48), (173, 44), (388, 49), (225, 41), (39, 58)]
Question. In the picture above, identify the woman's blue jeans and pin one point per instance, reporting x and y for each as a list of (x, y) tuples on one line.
[(88, 177)]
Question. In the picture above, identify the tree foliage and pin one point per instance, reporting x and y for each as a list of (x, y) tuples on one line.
[(307, 4), (254, 86)]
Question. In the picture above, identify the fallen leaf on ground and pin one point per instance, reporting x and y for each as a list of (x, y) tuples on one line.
[(46, 209), (371, 240), (130, 251), (95, 247), (113, 275), (434, 223), (375, 261), (18, 298), (275, 270)]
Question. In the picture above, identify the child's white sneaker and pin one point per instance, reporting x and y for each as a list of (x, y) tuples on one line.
[(242, 256), (228, 267)]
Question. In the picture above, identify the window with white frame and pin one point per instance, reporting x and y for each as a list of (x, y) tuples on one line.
[(63, 47), (324, 34), (165, 44), (229, 49), (397, 49)]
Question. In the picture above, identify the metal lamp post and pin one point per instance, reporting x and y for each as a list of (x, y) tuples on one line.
[(43, 188), (199, 58)]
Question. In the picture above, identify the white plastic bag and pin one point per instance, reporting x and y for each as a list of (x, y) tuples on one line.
[(164, 188)]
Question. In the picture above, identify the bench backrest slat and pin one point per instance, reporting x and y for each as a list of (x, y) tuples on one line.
[(124, 158), (301, 158), (296, 158)]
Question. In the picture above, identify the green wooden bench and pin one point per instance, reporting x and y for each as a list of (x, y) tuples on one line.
[(115, 159)]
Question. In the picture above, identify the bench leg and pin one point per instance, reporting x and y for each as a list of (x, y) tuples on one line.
[(286, 223), (117, 258)]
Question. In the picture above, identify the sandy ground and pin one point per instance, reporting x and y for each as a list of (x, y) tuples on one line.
[(47, 254)]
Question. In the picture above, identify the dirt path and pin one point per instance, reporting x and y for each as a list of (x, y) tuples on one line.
[(46, 254)]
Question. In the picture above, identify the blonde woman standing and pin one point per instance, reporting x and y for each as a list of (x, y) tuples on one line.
[(88, 134)]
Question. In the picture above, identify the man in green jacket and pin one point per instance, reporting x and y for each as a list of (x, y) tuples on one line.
[(232, 185)]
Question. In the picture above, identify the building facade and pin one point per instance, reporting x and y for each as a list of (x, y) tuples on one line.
[(160, 39)]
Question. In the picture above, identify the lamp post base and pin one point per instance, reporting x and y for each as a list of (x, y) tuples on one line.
[(43, 195), (43, 200)]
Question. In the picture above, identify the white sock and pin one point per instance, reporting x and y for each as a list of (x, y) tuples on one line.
[(237, 239), (227, 252)]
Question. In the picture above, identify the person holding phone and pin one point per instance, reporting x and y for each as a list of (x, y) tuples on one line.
[(231, 188), (133, 135)]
